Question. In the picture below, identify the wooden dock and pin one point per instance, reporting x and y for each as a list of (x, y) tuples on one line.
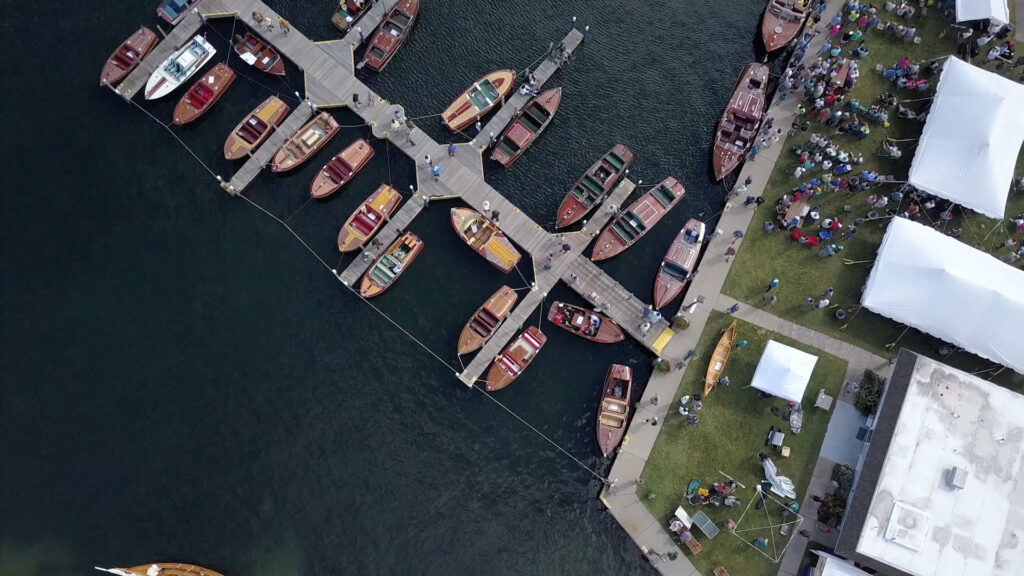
[(265, 153), (395, 226)]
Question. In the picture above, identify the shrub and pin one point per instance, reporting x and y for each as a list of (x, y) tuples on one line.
[(680, 323), (662, 365), (870, 393)]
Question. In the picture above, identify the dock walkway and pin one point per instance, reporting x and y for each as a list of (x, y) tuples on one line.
[(263, 155)]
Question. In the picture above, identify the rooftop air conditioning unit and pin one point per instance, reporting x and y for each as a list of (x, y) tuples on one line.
[(956, 477)]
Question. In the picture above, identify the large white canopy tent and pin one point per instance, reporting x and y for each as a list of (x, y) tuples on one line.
[(783, 371), (971, 138), (950, 290), (995, 10)]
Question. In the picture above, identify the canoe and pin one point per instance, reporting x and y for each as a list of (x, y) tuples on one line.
[(515, 358), (526, 127), (162, 569), (368, 218), (782, 20), (172, 11), (719, 357), (203, 94), (677, 267), (391, 35), (349, 12), (737, 129), (478, 99), (341, 169), (584, 323), (255, 127), (594, 185), (179, 67), (638, 219), (486, 320), (306, 142), (391, 264), (484, 237), (127, 56), (614, 411), (259, 54)]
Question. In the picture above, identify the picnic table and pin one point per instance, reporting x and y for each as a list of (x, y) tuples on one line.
[(798, 209)]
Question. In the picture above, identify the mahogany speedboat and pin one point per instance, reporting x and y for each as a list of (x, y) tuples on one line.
[(203, 94), (306, 142), (677, 267), (638, 219), (592, 187), (782, 21), (391, 34), (614, 411), (163, 569), (254, 128), (515, 358), (737, 130), (349, 12), (127, 56), (259, 54), (368, 218), (340, 169), (584, 323), (526, 127), (484, 237), (485, 321), (478, 99), (390, 265), (172, 11)]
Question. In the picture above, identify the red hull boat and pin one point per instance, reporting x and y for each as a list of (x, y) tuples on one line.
[(614, 411), (782, 21), (515, 358), (594, 185), (391, 35), (127, 56), (526, 127), (737, 129), (677, 267), (638, 219)]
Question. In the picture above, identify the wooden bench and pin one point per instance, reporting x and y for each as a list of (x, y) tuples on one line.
[(720, 571)]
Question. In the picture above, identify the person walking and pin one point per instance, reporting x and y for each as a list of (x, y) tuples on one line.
[(285, 26), (492, 139), (437, 172), (428, 160), (479, 127), (355, 100), (451, 149), (412, 128), (829, 292), (734, 308), (772, 284)]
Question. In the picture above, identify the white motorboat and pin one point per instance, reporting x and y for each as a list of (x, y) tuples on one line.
[(179, 67)]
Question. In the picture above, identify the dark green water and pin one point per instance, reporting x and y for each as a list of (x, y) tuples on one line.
[(182, 381)]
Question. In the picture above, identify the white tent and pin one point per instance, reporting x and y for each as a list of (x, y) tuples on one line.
[(950, 290), (971, 138), (783, 371), (995, 10), (829, 565)]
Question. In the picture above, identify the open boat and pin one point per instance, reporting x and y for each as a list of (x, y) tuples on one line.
[(391, 264), (259, 54), (719, 357), (526, 127), (638, 219), (127, 56), (349, 12), (478, 99), (172, 11), (614, 411), (592, 187), (368, 218), (737, 129), (203, 94), (485, 238), (179, 67), (485, 321), (340, 169), (391, 34), (677, 267), (515, 358), (782, 21), (306, 142), (254, 128), (162, 569), (584, 323)]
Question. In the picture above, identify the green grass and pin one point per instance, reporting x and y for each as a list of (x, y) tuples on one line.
[(733, 425), (802, 274)]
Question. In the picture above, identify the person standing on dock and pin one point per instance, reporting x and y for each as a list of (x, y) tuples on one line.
[(493, 139), (355, 100), (285, 26), (479, 127), (451, 151), (437, 172), (412, 128), (427, 160)]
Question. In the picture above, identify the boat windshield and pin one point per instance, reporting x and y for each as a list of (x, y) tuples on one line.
[(691, 236), (675, 270), (401, 19)]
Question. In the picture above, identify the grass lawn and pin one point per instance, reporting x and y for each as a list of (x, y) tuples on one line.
[(733, 425), (803, 274)]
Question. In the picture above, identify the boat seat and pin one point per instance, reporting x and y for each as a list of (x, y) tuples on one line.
[(625, 232), (337, 172), (480, 328), (593, 185), (664, 196), (615, 160), (613, 420), (504, 147), (530, 123), (125, 57), (363, 224), (615, 405), (537, 114)]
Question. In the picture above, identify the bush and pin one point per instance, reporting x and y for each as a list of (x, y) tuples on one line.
[(870, 393), (680, 323), (843, 476), (662, 365)]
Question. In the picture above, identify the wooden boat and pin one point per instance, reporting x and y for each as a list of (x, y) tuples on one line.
[(254, 128), (638, 219), (526, 127), (391, 34), (478, 99), (368, 218), (340, 169), (737, 129), (485, 321), (592, 187), (179, 67), (677, 267), (719, 357), (515, 358), (485, 238), (349, 12), (259, 54), (172, 11), (162, 569), (306, 142), (614, 411), (584, 323), (203, 94), (390, 265), (782, 21), (127, 56)]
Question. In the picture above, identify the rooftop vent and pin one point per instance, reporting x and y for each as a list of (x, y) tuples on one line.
[(956, 477)]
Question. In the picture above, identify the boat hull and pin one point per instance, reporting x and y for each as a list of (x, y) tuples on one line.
[(368, 219), (577, 321), (402, 252), (167, 569), (478, 100), (305, 143), (738, 127), (515, 358), (127, 56), (613, 413), (391, 35), (486, 320), (680, 259), (637, 220), (191, 57), (525, 129), (781, 23), (169, 14), (255, 128), (203, 94), (593, 186), (352, 159), (719, 358), (484, 237)]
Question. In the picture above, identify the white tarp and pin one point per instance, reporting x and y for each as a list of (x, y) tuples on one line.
[(995, 10), (836, 566), (781, 485), (950, 290), (783, 371), (971, 138)]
